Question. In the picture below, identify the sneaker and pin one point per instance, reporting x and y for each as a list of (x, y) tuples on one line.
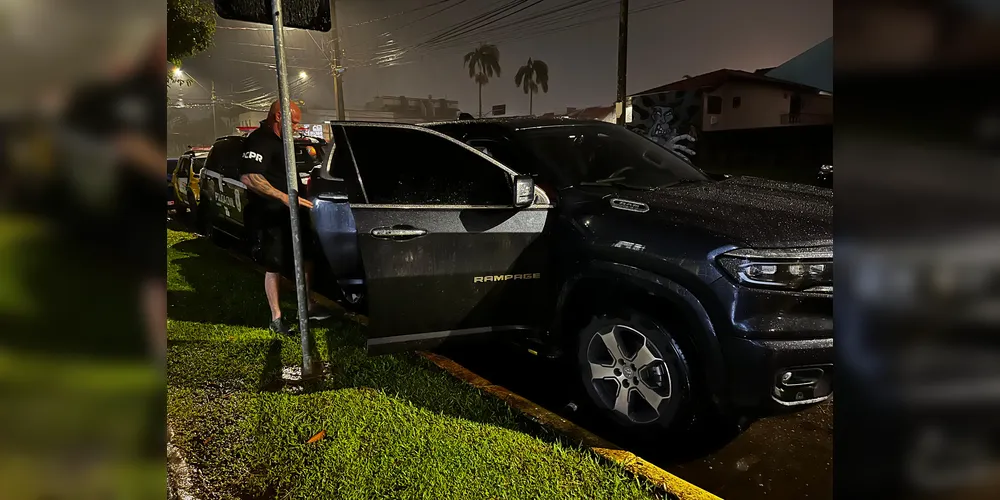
[(278, 326)]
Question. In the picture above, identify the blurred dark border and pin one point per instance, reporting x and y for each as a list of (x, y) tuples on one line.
[(918, 249)]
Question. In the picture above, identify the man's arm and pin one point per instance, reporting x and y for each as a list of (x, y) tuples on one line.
[(258, 184)]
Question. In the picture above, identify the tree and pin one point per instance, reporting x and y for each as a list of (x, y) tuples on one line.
[(483, 63), (190, 28), (530, 77)]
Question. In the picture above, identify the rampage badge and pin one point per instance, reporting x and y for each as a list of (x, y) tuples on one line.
[(507, 277)]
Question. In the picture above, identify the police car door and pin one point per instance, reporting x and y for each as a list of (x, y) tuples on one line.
[(445, 254)]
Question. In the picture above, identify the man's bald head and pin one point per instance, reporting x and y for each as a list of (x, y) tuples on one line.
[(274, 116)]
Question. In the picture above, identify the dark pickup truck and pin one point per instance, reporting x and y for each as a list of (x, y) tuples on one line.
[(672, 293)]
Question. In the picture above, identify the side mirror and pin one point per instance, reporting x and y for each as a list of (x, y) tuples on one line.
[(524, 191)]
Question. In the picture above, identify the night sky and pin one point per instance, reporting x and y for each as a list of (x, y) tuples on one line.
[(682, 37)]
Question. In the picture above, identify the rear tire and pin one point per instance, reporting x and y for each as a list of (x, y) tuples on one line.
[(193, 210), (635, 374), (206, 221)]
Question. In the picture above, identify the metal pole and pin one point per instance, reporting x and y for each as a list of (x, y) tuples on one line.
[(215, 130), (622, 57), (293, 191), (338, 84)]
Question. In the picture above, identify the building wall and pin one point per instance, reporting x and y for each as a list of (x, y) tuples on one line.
[(415, 109), (763, 105), (253, 118)]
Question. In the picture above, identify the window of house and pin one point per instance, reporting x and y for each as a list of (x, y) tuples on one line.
[(737, 101), (795, 107), (714, 105), (407, 166)]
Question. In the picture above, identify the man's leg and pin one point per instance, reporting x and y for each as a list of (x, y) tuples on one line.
[(272, 254), (272, 281)]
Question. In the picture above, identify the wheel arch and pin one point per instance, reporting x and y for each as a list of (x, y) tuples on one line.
[(649, 292)]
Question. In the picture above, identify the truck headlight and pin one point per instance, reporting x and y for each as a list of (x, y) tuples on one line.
[(791, 269)]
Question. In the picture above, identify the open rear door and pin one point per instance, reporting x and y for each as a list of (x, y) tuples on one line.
[(441, 248)]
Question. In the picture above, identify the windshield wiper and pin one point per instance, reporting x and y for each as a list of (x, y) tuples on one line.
[(602, 182), (678, 182), (616, 182)]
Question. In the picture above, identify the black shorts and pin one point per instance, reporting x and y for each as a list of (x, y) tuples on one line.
[(271, 235)]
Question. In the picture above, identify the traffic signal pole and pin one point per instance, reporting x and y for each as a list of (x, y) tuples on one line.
[(310, 368)]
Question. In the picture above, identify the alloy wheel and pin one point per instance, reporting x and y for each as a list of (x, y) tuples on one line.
[(628, 373)]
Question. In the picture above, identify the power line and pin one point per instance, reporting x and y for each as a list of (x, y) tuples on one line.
[(391, 55), (400, 13), (542, 29), (567, 5), (523, 30)]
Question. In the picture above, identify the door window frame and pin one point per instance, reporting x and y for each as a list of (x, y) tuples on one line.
[(183, 165), (542, 200)]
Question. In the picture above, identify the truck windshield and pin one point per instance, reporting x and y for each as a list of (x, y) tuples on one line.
[(603, 153)]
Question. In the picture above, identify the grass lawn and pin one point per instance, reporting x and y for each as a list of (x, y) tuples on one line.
[(393, 426)]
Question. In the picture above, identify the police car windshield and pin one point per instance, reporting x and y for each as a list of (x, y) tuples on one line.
[(603, 153)]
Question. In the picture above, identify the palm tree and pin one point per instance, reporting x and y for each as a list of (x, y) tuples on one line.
[(483, 63), (530, 76)]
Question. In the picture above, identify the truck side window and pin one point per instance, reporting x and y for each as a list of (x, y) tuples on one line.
[(341, 166), (407, 166)]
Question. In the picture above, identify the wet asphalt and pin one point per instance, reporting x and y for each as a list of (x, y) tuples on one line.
[(786, 457)]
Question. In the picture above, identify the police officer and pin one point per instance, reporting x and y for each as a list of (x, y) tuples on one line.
[(262, 170)]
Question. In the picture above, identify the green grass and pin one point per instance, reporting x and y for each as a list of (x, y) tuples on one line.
[(396, 426)]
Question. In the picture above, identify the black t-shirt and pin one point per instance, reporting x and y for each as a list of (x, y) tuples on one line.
[(263, 153)]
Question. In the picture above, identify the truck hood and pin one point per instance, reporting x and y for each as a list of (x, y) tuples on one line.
[(753, 212)]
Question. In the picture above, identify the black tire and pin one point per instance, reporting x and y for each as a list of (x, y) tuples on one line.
[(192, 211), (206, 221), (674, 413)]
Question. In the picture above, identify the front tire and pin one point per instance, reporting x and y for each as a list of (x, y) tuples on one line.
[(635, 373)]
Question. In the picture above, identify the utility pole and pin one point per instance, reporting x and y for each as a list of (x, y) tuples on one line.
[(215, 131), (338, 84), (622, 59)]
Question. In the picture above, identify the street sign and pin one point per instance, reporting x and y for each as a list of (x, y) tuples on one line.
[(311, 15), (499, 109)]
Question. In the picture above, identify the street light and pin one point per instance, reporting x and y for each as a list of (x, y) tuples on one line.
[(303, 75), (178, 73)]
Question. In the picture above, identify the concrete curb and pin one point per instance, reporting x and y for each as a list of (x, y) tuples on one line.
[(671, 484), (180, 477)]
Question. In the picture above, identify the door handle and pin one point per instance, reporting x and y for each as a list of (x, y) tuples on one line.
[(399, 232)]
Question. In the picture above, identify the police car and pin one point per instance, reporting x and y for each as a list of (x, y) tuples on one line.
[(224, 198), (186, 176)]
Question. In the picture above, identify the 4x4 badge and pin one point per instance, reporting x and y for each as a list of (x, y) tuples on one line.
[(631, 206)]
